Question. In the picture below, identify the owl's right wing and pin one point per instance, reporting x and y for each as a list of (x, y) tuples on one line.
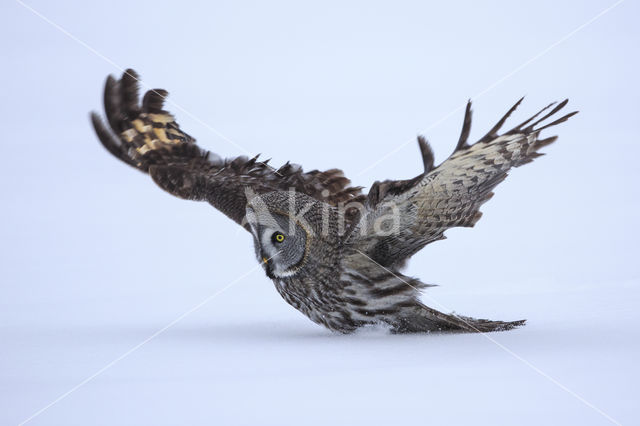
[(148, 138), (401, 217)]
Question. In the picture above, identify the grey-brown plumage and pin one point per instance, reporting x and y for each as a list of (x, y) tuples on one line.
[(333, 253)]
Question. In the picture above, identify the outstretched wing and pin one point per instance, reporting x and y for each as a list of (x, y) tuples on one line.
[(148, 138), (401, 217)]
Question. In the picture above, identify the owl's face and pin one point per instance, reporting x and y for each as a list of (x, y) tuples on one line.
[(281, 243)]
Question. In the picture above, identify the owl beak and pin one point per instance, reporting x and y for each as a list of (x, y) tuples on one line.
[(267, 267)]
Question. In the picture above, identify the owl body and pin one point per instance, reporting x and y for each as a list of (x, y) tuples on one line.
[(332, 282), (333, 252)]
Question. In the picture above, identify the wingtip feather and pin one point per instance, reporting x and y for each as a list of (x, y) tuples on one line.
[(428, 158), (466, 128)]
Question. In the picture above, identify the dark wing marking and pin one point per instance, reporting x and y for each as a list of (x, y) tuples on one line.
[(148, 138), (449, 195)]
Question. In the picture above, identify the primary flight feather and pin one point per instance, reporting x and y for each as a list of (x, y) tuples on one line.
[(333, 252)]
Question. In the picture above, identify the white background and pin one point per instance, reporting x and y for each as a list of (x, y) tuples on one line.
[(94, 258)]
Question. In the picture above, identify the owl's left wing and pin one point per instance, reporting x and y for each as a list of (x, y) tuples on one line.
[(148, 138), (401, 217)]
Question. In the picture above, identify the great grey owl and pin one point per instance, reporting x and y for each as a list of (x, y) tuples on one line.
[(334, 253)]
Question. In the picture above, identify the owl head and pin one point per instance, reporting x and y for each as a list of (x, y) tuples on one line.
[(292, 232)]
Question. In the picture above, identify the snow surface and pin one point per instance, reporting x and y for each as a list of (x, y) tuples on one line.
[(95, 260)]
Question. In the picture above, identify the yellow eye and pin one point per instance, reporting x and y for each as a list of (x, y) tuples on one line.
[(278, 237)]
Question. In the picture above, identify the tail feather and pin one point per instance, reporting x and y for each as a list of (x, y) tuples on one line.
[(419, 318)]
